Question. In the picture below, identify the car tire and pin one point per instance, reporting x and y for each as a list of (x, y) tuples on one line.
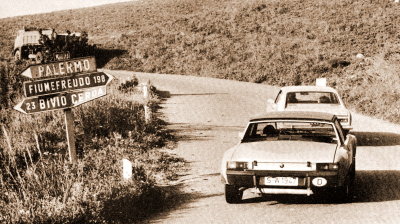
[(345, 192), (233, 194), (353, 171), (17, 55)]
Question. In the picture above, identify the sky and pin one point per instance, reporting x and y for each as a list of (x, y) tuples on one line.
[(10, 8)]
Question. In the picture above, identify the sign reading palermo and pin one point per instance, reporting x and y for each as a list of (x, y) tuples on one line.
[(61, 68), (60, 101), (62, 84)]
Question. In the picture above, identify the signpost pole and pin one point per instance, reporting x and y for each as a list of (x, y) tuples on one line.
[(69, 123)]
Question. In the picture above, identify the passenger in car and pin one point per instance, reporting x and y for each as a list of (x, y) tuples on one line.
[(270, 131), (324, 99), (291, 98)]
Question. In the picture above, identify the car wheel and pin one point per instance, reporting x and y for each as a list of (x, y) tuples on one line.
[(353, 171), (17, 55), (233, 194), (345, 193)]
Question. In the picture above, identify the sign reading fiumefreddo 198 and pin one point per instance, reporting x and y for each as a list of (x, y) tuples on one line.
[(62, 84)]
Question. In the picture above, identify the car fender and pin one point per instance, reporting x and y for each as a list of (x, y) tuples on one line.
[(343, 158), (352, 141), (227, 156)]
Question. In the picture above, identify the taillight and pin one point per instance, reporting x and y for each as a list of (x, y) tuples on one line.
[(234, 165), (327, 166)]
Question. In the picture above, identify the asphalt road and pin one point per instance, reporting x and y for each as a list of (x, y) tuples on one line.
[(207, 115)]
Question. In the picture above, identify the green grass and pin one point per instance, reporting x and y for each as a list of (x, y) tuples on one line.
[(274, 42), (40, 185)]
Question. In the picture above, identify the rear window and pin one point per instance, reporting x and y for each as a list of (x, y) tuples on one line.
[(311, 97), (291, 131)]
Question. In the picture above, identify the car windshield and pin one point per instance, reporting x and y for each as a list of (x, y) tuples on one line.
[(311, 97), (315, 131)]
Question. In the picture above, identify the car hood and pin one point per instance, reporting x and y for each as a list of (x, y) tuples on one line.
[(336, 109), (284, 151)]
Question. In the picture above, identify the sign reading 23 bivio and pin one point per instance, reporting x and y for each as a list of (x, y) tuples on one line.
[(60, 100)]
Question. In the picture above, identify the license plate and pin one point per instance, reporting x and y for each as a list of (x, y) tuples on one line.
[(279, 181)]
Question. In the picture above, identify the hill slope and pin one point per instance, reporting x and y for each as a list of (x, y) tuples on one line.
[(276, 42)]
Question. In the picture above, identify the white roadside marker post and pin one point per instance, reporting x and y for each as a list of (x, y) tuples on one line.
[(126, 169), (147, 110), (145, 90)]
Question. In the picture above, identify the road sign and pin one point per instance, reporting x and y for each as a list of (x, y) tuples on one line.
[(62, 84), (61, 68), (60, 100)]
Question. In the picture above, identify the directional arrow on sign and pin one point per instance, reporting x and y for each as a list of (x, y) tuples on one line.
[(61, 68), (60, 100), (62, 84)]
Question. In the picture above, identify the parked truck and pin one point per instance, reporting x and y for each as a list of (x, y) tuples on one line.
[(44, 45)]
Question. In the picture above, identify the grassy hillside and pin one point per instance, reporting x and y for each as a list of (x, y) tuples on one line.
[(278, 42)]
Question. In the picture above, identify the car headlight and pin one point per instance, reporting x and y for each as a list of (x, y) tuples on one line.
[(327, 166), (234, 165)]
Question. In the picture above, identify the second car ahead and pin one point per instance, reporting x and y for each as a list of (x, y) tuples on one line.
[(312, 98)]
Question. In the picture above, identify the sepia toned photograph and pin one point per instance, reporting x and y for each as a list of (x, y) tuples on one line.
[(199, 111)]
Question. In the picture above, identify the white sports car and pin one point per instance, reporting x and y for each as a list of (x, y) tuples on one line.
[(290, 153), (312, 98)]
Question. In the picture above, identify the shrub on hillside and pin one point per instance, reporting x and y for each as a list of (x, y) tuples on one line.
[(10, 84), (129, 86)]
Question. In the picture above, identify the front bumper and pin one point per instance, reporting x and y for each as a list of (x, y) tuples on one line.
[(251, 179)]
